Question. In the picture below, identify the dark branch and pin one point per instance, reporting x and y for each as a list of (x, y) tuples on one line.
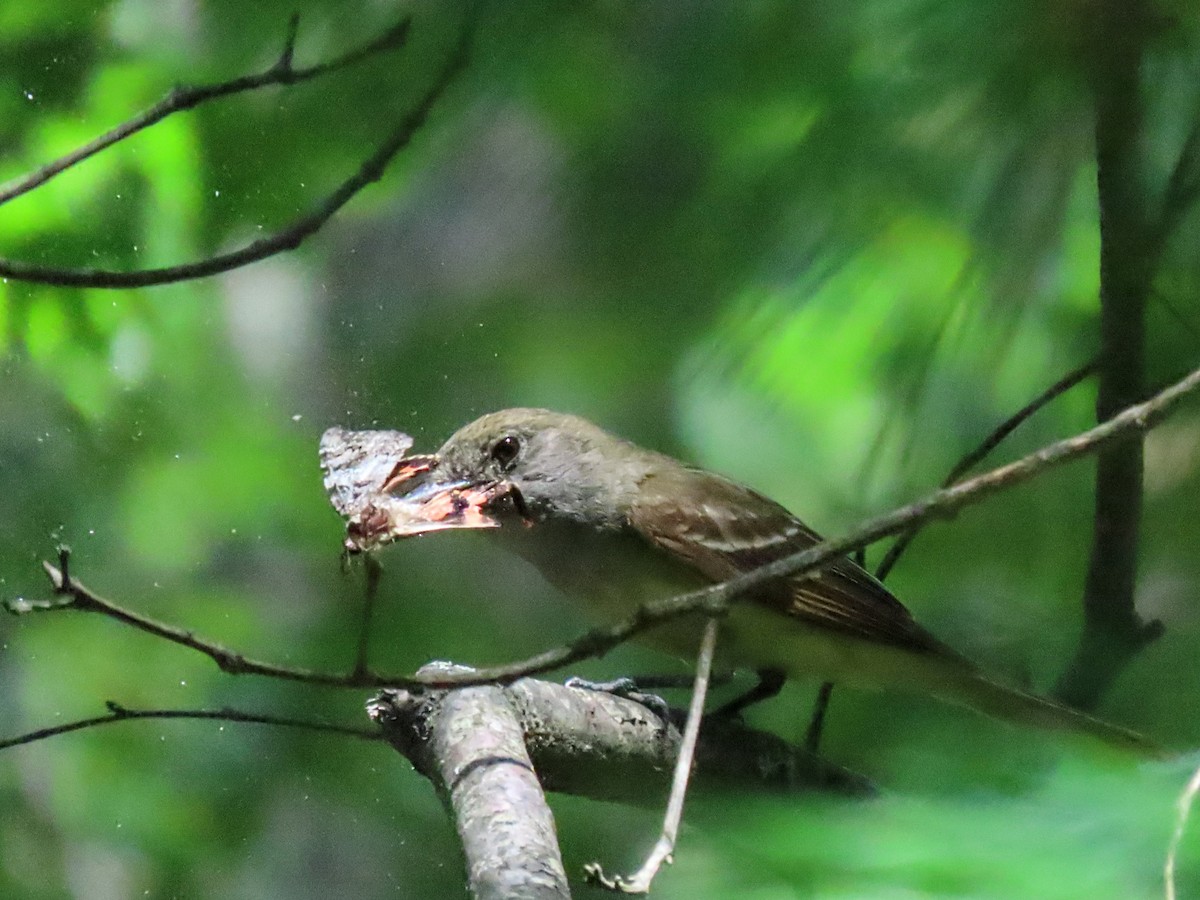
[(1183, 186), (980, 453), (119, 713), (289, 238), (1113, 632), (71, 594), (185, 97)]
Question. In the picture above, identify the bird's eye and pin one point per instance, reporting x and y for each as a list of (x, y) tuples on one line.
[(505, 451)]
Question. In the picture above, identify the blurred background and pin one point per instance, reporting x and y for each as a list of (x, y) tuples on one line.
[(821, 247)]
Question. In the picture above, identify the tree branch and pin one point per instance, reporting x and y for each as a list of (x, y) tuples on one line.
[(185, 97), (71, 594), (470, 744), (582, 742), (1184, 806), (1183, 186), (980, 453), (288, 238), (119, 713), (1112, 630)]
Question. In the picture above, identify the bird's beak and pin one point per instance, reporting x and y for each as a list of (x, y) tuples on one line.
[(414, 503), (385, 494), (417, 499)]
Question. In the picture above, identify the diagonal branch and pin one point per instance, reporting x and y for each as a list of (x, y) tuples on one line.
[(1183, 187), (119, 713), (289, 238), (980, 453), (185, 97), (71, 594), (713, 600), (942, 504)]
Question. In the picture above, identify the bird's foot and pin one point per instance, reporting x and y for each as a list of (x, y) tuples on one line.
[(626, 688)]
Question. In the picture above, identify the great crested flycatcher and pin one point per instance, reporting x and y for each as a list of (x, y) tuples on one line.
[(615, 525)]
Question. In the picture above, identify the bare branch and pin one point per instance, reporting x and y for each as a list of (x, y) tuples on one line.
[(1183, 187), (289, 238), (71, 594), (471, 745), (185, 97), (980, 453), (583, 742), (119, 713), (374, 572)]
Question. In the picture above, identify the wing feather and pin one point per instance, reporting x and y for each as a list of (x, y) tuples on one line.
[(723, 528)]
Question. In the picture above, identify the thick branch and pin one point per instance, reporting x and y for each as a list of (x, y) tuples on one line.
[(577, 741), (185, 97), (287, 239), (470, 744)]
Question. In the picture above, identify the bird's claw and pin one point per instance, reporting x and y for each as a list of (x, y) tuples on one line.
[(626, 688)]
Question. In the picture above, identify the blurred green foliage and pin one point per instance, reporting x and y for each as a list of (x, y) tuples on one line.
[(822, 247)]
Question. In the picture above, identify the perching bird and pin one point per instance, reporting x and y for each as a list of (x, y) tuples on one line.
[(615, 525)]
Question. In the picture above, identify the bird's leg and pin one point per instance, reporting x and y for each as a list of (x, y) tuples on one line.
[(770, 683), (812, 737), (629, 689)]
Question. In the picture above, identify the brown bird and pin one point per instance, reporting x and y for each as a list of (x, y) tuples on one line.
[(615, 525)]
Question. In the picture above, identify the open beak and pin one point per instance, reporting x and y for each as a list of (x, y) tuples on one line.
[(386, 495), (432, 506)]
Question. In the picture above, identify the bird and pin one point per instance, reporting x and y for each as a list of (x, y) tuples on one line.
[(614, 525)]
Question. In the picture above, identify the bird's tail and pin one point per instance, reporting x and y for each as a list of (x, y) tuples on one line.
[(973, 689)]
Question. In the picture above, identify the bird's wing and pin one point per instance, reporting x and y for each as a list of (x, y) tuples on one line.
[(723, 528)]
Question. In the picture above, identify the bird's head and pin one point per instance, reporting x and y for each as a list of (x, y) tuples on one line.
[(528, 465), (543, 465)]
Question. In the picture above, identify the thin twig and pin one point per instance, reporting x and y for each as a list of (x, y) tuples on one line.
[(185, 97), (71, 594), (964, 465), (370, 594), (119, 713), (640, 881), (1185, 810), (289, 238), (816, 725), (1183, 186), (986, 446), (712, 600)]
